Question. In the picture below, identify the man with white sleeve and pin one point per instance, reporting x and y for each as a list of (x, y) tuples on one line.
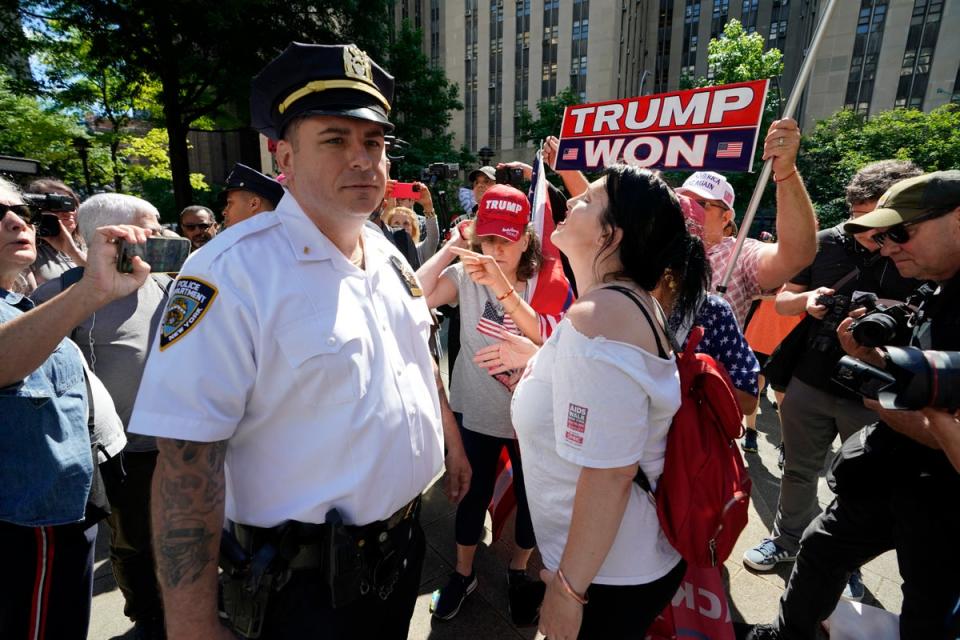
[(291, 386)]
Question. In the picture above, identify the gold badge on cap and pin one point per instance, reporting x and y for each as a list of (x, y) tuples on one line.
[(356, 64)]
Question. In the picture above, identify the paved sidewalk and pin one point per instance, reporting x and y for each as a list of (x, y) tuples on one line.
[(484, 615)]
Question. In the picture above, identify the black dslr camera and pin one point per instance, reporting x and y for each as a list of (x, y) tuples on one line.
[(439, 171), (44, 205), (838, 306), (512, 176), (882, 325), (913, 379)]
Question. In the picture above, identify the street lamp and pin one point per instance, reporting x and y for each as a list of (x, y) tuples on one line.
[(486, 155), (82, 145)]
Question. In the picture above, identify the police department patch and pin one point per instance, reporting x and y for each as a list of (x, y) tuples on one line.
[(189, 300)]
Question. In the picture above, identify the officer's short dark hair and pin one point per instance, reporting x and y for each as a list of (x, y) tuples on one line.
[(873, 180)]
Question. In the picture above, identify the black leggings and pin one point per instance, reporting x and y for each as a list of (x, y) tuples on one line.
[(626, 612), (483, 452)]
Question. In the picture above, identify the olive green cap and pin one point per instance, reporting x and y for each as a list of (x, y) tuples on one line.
[(909, 199)]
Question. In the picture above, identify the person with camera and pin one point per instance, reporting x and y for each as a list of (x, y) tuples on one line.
[(47, 467), (60, 246), (115, 342), (814, 409), (292, 389), (895, 486)]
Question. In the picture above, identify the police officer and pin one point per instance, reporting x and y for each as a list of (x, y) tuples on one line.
[(247, 193), (291, 386)]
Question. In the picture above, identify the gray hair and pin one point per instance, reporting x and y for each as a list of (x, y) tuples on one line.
[(9, 191), (111, 208)]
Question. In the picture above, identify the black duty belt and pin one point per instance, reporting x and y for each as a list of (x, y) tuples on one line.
[(311, 537)]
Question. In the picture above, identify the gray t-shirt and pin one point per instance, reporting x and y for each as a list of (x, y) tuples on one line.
[(50, 263), (115, 342), (481, 398)]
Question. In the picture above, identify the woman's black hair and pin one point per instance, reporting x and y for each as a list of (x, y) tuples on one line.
[(655, 237)]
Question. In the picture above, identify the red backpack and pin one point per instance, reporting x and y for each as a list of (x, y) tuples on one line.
[(704, 491)]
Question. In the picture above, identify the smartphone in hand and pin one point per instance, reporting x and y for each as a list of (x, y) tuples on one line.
[(164, 255), (405, 190)]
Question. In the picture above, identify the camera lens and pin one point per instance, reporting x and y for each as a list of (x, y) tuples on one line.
[(875, 330)]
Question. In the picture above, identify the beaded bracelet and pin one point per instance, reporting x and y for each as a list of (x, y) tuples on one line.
[(506, 295), (582, 599)]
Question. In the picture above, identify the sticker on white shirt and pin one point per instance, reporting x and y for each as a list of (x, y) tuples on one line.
[(189, 301), (576, 424)]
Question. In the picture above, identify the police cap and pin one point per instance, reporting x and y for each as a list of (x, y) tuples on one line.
[(243, 177), (323, 80)]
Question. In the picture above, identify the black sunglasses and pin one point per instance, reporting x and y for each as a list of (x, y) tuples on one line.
[(197, 225), (22, 210), (899, 233)]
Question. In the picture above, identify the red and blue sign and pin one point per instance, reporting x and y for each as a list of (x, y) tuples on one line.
[(712, 128)]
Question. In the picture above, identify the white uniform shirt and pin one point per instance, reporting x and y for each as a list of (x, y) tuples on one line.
[(316, 371)]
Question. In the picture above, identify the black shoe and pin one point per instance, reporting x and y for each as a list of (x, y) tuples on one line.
[(525, 596), (763, 632), (446, 602)]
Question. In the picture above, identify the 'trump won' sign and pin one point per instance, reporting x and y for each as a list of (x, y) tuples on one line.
[(714, 128)]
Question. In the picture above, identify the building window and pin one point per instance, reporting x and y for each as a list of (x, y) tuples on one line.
[(778, 24), (434, 33), (691, 25), (955, 98), (521, 83), (721, 11), (866, 51), (471, 32), (661, 73), (578, 54), (918, 54), (749, 15), (551, 39), (495, 105)]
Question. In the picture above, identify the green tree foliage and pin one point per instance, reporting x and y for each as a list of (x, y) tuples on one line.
[(738, 56), (549, 118), (109, 94), (423, 103), (203, 54), (31, 129), (148, 174), (839, 145)]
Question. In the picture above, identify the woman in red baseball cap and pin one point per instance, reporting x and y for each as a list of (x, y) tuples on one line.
[(491, 286)]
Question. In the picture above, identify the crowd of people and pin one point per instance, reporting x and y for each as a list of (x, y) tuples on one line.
[(258, 429)]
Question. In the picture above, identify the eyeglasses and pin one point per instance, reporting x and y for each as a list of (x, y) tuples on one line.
[(900, 234), (711, 203), (203, 226), (21, 210)]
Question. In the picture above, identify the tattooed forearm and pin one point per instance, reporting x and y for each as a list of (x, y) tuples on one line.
[(185, 552), (188, 498)]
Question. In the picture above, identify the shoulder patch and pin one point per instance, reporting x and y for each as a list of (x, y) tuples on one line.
[(189, 301)]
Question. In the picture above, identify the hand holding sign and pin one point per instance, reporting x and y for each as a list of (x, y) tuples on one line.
[(782, 144)]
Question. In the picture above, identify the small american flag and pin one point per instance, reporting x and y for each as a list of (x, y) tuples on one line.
[(729, 149), (570, 154), (491, 322)]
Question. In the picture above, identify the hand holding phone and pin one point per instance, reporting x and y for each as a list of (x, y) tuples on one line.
[(164, 255), (405, 191)]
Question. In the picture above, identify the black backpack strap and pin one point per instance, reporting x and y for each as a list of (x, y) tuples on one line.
[(646, 314)]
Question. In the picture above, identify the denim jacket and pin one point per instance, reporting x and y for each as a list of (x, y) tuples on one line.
[(45, 461)]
